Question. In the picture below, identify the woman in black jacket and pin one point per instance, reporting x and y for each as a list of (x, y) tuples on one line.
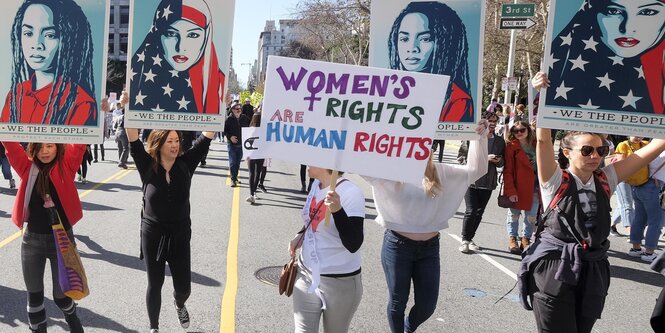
[(166, 173)]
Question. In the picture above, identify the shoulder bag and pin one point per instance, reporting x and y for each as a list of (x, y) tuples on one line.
[(71, 275)]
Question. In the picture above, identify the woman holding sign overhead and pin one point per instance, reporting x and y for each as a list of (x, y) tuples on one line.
[(413, 215), (430, 37), (564, 276), (47, 173), (166, 173), (329, 283)]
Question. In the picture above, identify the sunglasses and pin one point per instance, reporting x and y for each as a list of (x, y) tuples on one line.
[(588, 150), (519, 130)]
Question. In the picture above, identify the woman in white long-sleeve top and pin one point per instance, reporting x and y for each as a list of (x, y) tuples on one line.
[(413, 215)]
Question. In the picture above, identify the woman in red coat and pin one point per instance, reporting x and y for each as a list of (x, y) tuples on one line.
[(47, 173), (520, 185)]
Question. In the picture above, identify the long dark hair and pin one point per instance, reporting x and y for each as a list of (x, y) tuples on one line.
[(73, 61), (42, 182), (451, 49)]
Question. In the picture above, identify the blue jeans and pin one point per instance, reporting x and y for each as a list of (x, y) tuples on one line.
[(6, 168), (512, 221), (626, 205), (235, 156), (648, 215), (404, 260)]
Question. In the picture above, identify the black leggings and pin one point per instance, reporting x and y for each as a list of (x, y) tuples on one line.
[(83, 170), (476, 201), (94, 151), (175, 251), (255, 170)]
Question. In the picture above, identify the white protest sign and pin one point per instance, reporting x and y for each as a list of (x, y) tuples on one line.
[(656, 167), (371, 121), (251, 143)]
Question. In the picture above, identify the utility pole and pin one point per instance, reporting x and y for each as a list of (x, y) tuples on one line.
[(511, 63)]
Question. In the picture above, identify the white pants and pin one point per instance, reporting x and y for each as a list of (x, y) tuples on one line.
[(342, 297)]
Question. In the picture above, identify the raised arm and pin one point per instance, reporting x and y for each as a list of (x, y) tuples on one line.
[(545, 154), (477, 158), (209, 135), (544, 147), (132, 134), (635, 161)]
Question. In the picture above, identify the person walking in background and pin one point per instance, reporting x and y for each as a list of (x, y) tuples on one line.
[(329, 282), (412, 216), (83, 169), (255, 165), (166, 173), (478, 194), (625, 212), (648, 211), (121, 137), (6, 168), (248, 109), (520, 184), (47, 173), (233, 133)]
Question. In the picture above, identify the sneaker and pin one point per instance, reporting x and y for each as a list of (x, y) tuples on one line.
[(78, 178), (464, 247), (74, 323), (12, 184), (234, 183), (614, 231), (263, 189), (473, 246), (648, 257), (154, 330), (635, 253), (250, 199), (84, 181), (183, 315)]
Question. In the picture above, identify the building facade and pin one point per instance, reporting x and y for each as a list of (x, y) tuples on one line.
[(118, 30), (273, 40)]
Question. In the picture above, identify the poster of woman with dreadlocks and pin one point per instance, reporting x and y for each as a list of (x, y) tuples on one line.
[(56, 72), (605, 67), (177, 73), (438, 37)]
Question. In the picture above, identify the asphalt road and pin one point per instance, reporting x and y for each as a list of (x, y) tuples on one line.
[(234, 241)]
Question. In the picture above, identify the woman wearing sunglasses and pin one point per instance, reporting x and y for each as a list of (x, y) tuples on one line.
[(520, 185), (565, 272)]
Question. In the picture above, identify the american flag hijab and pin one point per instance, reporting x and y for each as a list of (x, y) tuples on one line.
[(156, 85), (586, 73)]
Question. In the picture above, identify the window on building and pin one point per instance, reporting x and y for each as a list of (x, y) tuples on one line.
[(123, 43)]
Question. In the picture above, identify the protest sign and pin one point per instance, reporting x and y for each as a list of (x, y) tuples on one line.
[(251, 143), (371, 121), (439, 37), (603, 77), (54, 70), (177, 74)]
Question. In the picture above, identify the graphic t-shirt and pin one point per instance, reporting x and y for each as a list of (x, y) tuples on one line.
[(333, 257)]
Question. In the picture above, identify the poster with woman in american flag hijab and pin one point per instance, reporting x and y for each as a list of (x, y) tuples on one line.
[(177, 73), (605, 67)]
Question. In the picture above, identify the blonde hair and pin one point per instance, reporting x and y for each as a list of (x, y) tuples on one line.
[(431, 182)]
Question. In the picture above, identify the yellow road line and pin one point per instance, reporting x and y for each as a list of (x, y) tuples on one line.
[(227, 321), (16, 235)]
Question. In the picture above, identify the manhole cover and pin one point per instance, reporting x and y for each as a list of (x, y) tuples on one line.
[(269, 275)]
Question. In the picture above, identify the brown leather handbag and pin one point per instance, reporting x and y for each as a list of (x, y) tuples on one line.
[(287, 278)]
